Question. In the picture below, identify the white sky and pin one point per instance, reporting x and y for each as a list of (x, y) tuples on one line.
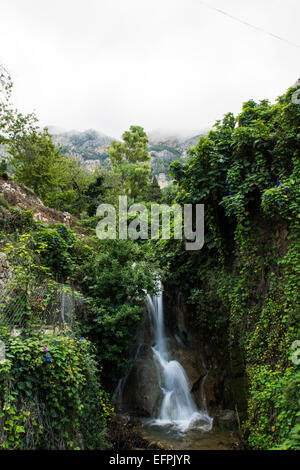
[(169, 65)]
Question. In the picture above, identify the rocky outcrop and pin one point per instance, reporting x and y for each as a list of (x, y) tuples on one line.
[(139, 393), (162, 180), (20, 196)]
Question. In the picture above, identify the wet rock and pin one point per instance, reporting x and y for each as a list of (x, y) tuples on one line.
[(141, 393), (157, 445), (187, 358), (225, 420), (225, 385)]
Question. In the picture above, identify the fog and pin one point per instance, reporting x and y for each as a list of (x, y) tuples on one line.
[(171, 66)]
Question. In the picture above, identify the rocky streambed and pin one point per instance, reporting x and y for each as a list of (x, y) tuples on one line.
[(168, 438)]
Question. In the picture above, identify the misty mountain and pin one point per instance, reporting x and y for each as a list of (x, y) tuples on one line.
[(90, 146), (164, 150)]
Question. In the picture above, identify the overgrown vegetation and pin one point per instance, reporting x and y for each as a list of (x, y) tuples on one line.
[(244, 284), (242, 288)]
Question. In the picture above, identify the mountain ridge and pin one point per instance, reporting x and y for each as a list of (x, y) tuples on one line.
[(90, 148)]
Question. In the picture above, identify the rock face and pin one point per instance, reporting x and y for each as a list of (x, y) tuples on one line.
[(5, 273), (22, 197), (87, 146), (162, 180)]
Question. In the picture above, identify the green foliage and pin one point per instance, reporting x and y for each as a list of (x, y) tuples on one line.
[(70, 193), (51, 247), (95, 193), (35, 159), (3, 170), (116, 280), (106, 188), (55, 244), (154, 193), (169, 193), (6, 85), (243, 287), (274, 407), (130, 160), (16, 219), (48, 390)]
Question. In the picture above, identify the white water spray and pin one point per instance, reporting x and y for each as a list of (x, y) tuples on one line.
[(178, 407)]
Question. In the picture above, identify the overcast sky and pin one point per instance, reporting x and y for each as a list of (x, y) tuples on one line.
[(169, 65)]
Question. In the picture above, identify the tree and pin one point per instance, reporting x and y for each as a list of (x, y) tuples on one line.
[(94, 195), (154, 191), (10, 118), (69, 194), (130, 160), (116, 280), (169, 193), (35, 159)]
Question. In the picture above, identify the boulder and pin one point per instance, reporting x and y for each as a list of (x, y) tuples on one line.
[(141, 393)]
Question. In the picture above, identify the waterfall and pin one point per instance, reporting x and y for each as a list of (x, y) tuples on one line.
[(177, 407)]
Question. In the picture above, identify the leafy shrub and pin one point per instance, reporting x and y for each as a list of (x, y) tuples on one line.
[(56, 246), (49, 396)]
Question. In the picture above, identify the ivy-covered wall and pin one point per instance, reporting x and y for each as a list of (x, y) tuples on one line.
[(242, 288)]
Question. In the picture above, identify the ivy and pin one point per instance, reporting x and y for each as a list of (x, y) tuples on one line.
[(243, 287), (47, 388)]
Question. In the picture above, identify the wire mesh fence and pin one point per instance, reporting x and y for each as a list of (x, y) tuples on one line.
[(45, 305)]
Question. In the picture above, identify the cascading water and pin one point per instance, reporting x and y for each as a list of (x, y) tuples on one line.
[(177, 407)]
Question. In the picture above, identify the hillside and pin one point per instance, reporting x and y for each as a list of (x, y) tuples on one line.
[(24, 199), (89, 147)]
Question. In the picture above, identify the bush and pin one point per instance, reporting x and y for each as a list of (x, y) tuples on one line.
[(50, 397)]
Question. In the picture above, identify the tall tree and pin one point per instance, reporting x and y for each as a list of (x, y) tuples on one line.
[(35, 159), (131, 160)]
